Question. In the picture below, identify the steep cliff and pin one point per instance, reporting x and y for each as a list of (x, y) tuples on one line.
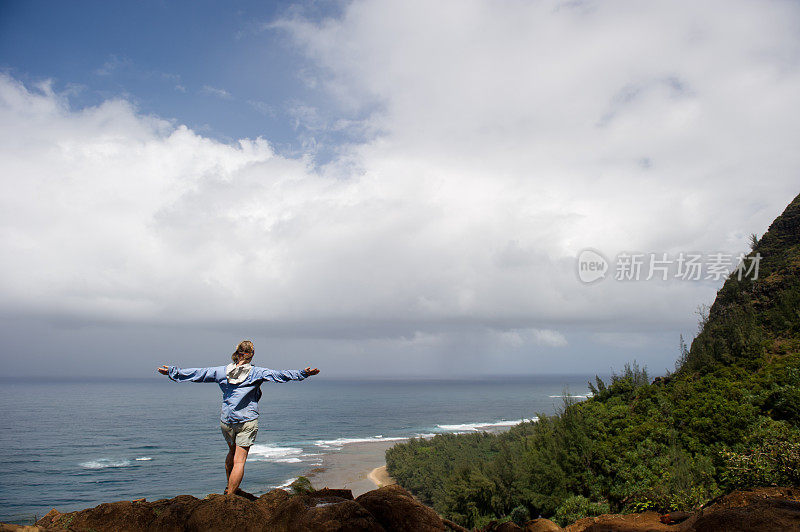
[(727, 419)]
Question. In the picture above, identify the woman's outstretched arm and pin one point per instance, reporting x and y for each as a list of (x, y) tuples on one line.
[(285, 375), (192, 374)]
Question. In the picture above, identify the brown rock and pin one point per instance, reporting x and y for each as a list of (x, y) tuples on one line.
[(758, 510), (122, 516), (453, 526), (643, 522), (391, 508), (281, 508), (496, 526), (172, 514), (397, 510), (774, 515), (331, 492), (341, 514), (508, 526), (675, 517), (271, 501), (274, 511), (315, 511), (241, 493), (226, 512), (48, 518), (542, 525)]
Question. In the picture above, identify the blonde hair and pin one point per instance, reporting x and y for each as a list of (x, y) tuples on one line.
[(244, 351)]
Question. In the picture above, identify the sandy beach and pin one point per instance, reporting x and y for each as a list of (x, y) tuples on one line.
[(380, 477), (359, 467)]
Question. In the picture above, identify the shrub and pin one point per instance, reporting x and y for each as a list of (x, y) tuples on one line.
[(577, 507), (681, 482), (300, 486), (769, 464), (520, 515)]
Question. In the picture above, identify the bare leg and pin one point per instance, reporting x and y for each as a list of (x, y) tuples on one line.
[(229, 461), (237, 471)]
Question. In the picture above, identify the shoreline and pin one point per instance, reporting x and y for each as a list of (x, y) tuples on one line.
[(380, 477), (359, 467)]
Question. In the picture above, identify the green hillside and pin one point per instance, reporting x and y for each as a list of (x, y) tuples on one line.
[(756, 322), (729, 417)]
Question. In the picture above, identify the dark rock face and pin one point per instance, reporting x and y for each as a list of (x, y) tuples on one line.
[(762, 509), (757, 510), (390, 508), (646, 521), (542, 525), (769, 514), (321, 510), (331, 492), (230, 512), (396, 509)]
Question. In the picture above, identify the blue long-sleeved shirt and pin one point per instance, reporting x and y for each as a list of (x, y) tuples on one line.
[(239, 401)]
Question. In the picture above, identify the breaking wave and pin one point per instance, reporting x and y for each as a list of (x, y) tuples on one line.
[(102, 463)]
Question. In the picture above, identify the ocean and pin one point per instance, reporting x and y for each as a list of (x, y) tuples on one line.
[(73, 445)]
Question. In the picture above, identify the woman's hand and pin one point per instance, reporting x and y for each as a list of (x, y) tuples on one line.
[(309, 371), (163, 370)]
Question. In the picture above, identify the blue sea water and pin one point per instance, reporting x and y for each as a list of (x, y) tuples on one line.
[(73, 445)]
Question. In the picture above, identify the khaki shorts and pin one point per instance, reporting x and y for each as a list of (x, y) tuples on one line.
[(241, 434)]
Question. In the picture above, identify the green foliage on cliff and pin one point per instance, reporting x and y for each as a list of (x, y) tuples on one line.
[(729, 417), (576, 507)]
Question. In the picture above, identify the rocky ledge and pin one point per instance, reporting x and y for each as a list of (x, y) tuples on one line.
[(757, 510), (391, 508), (387, 508)]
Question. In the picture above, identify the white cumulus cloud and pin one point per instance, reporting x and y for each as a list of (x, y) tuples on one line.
[(503, 138)]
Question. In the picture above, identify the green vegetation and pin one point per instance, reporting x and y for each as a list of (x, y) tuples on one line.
[(576, 507), (520, 515), (729, 417), (301, 486)]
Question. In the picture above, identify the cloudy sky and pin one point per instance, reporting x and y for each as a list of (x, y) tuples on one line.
[(380, 188)]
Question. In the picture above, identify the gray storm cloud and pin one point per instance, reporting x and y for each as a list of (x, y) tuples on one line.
[(504, 140)]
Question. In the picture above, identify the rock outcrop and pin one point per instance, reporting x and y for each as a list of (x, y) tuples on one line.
[(757, 510), (396, 509), (762, 509), (392, 508), (387, 508)]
